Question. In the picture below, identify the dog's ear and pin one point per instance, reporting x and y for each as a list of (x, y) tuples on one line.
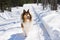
[(24, 11), (28, 10)]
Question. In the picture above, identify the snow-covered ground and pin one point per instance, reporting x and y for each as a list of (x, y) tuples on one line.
[(48, 21)]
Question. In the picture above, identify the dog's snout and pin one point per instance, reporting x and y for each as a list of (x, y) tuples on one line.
[(28, 16)]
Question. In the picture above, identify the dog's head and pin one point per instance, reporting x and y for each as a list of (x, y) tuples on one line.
[(26, 15)]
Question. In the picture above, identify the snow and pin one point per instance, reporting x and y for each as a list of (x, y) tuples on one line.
[(35, 34), (53, 25), (46, 23), (10, 23)]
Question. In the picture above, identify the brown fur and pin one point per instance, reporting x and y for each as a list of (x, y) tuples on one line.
[(24, 13)]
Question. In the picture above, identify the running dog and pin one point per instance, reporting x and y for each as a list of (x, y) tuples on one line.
[(26, 24)]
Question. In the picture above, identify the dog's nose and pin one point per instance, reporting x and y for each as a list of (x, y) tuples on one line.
[(28, 16)]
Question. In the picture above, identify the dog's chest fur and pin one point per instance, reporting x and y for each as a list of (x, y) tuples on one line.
[(27, 27)]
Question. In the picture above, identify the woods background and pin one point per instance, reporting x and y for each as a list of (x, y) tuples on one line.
[(7, 4)]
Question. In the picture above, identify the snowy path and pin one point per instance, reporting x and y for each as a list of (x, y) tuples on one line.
[(10, 27), (40, 22), (48, 21)]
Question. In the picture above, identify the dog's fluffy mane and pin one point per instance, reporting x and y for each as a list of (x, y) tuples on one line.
[(24, 12)]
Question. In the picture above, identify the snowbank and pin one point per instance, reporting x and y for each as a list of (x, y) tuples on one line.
[(52, 24)]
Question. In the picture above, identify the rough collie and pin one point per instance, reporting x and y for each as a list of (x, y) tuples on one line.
[(26, 24)]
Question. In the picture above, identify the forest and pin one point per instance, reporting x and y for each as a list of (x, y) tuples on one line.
[(7, 4)]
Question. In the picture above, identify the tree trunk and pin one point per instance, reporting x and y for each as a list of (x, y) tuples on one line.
[(44, 3), (53, 4), (2, 8)]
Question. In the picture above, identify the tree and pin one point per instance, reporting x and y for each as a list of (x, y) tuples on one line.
[(53, 4), (58, 1), (7, 4), (34, 1), (44, 3)]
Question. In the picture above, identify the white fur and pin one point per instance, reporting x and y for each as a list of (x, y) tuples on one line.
[(27, 27)]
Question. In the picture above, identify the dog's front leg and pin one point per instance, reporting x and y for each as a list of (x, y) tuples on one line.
[(24, 33)]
